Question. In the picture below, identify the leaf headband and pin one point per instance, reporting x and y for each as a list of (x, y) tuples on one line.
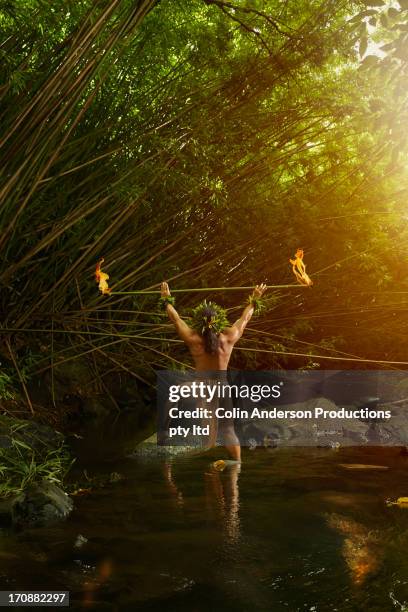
[(200, 322)]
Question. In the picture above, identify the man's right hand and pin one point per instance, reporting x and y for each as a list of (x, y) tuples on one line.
[(259, 290), (164, 290)]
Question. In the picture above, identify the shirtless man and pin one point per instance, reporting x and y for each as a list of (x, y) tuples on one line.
[(211, 351)]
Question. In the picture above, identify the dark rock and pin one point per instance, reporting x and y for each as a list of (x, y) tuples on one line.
[(73, 378), (40, 505), (129, 395), (332, 433), (402, 387), (97, 406), (115, 477), (64, 387), (76, 392), (150, 449)]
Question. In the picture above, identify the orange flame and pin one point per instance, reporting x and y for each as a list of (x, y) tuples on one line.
[(299, 269), (102, 278)]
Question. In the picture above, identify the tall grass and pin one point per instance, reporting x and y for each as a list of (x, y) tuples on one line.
[(22, 465)]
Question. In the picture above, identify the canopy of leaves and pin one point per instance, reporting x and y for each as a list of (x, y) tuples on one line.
[(203, 143)]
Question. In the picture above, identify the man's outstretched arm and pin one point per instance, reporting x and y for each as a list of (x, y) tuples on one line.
[(235, 331), (183, 330)]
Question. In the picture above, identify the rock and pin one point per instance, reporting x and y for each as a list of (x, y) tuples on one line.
[(394, 432), (97, 406), (130, 396), (332, 433), (64, 387), (80, 541), (73, 377), (74, 391), (40, 505), (150, 448), (402, 387)]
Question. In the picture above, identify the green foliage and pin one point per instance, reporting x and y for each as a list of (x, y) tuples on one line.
[(202, 142), (258, 304), (9, 378), (164, 300), (22, 465), (7, 389)]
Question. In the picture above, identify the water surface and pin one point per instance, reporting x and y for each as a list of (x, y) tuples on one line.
[(290, 530)]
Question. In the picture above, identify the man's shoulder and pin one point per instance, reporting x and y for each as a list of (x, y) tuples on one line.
[(229, 334), (195, 338)]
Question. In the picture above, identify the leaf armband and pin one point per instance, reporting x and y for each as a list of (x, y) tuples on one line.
[(164, 300), (258, 304)]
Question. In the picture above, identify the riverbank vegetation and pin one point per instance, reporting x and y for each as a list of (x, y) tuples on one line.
[(29, 457), (201, 143)]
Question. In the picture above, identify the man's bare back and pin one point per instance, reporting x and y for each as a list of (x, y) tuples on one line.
[(218, 359), (227, 338), (205, 362)]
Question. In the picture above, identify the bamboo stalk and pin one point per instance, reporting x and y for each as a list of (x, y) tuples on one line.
[(205, 289)]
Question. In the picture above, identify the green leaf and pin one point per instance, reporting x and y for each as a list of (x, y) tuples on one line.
[(369, 61), (388, 46), (374, 3), (362, 14), (22, 444), (363, 46), (393, 13)]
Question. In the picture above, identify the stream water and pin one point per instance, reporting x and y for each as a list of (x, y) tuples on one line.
[(291, 530)]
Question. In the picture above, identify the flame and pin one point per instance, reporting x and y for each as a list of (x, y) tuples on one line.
[(102, 278), (299, 269)]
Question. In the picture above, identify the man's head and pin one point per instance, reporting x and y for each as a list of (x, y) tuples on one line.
[(209, 320)]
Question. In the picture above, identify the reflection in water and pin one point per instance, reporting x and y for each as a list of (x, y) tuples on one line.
[(290, 530), (90, 587), (175, 492), (222, 491), (360, 547), (221, 495)]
